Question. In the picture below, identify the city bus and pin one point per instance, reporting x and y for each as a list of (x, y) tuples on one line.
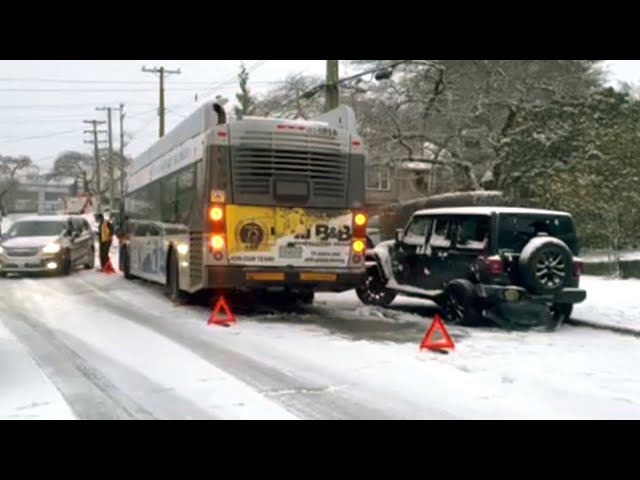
[(254, 204)]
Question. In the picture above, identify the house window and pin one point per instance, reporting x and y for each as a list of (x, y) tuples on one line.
[(379, 179)]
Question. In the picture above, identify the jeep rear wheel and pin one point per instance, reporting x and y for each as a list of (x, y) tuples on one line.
[(545, 265), (374, 291)]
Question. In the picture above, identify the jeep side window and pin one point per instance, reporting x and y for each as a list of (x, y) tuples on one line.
[(472, 232), (417, 231), (441, 236)]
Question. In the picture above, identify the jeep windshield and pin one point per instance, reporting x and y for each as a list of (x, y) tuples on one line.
[(36, 229), (515, 230)]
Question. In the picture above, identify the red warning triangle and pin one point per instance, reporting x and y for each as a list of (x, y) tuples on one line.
[(228, 319), (108, 267), (445, 343)]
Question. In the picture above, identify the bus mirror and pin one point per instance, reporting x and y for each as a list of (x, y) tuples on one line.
[(399, 235)]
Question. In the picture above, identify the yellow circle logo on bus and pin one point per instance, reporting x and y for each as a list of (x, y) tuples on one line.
[(251, 234)]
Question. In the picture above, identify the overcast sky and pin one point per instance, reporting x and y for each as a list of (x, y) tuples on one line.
[(43, 103)]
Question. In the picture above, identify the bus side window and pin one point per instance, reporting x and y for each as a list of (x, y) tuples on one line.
[(140, 230)]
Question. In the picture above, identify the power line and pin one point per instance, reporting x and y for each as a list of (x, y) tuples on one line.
[(60, 118), (203, 83), (162, 72), (252, 68), (37, 137), (102, 90), (68, 105)]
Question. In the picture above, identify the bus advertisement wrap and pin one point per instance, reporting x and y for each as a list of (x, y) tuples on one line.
[(268, 236)]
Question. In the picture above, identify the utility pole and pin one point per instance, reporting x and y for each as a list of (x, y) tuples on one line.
[(332, 93), (96, 155), (110, 158), (123, 162), (161, 71)]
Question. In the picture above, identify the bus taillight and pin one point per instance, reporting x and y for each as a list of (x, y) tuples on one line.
[(216, 213), (217, 242), (359, 225), (358, 246)]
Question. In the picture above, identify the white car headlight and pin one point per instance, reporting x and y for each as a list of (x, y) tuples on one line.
[(51, 248)]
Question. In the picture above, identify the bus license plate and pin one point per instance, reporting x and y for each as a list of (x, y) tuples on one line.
[(290, 252)]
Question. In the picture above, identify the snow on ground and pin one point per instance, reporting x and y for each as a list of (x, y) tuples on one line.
[(373, 357), (150, 368), (25, 391), (335, 359), (610, 302), (603, 256), (363, 362)]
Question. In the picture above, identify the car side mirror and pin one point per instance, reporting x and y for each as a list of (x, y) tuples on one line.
[(399, 235)]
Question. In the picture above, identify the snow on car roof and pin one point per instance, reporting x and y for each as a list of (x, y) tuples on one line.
[(44, 218), (487, 211)]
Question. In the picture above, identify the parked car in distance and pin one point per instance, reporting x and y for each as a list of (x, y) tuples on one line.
[(52, 243)]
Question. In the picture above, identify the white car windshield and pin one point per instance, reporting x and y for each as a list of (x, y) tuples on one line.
[(36, 229)]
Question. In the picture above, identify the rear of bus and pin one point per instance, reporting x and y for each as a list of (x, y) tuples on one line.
[(286, 204)]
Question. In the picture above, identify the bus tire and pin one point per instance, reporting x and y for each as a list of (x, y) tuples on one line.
[(173, 291)]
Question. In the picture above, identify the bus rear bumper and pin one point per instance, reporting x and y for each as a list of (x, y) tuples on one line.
[(250, 278)]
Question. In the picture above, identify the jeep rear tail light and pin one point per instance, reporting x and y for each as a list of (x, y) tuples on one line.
[(495, 266), (578, 268)]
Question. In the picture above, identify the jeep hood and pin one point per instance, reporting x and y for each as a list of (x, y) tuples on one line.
[(384, 246)]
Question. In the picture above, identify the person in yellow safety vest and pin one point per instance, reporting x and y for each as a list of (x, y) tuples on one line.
[(105, 237)]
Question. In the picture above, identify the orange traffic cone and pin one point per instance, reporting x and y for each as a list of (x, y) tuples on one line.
[(439, 345), (214, 319)]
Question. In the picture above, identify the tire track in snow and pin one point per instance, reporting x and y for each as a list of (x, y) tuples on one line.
[(191, 387), (89, 394), (302, 397)]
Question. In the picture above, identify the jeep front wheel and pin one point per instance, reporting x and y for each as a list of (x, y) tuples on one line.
[(374, 291)]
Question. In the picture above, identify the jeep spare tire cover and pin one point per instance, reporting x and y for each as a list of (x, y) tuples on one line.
[(545, 265)]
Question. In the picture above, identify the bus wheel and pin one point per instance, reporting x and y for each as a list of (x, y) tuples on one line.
[(306, 297), (173, 282)]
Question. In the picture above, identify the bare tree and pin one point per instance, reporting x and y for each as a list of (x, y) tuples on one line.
[(9, 167)]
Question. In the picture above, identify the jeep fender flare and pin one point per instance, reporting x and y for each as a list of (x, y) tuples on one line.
[(380, 258)]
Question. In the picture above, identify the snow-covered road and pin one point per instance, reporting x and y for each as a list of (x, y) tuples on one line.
[(97, 346)]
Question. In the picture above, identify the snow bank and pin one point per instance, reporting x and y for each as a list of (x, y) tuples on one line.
[(610, 302)]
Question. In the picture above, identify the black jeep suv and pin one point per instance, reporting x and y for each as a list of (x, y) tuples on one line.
[(514, 266)]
